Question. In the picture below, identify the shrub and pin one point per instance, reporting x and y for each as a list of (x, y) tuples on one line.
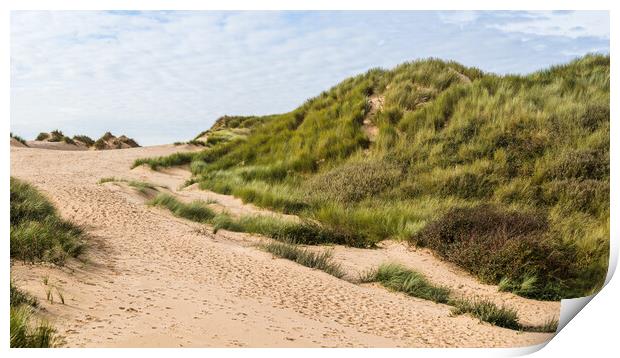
[(594, 116), (84, 139), (42, 136), (493, 244), (99, 144), (68, 140), (583, 164), (56, 136)]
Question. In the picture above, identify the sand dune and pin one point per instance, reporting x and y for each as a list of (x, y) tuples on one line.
[(150, 279)]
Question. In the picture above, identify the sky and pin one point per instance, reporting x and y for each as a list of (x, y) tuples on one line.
[(165, 76)]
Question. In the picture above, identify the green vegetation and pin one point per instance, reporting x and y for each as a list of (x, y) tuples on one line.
[(320, 261), (19, 297), (488, 312), (84, 139), (399, 278), (142, 186), (42, 136), (19, 139), (198, 210), (168, 161), (457, 149), (56, 136), (28, 332), (37, 232)]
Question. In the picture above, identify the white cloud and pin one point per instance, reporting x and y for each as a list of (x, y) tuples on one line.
[(162, 77), (571, 24)]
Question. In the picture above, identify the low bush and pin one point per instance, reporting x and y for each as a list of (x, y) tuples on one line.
[(56, 136), (42, 136), (84, 139), (494, 244)]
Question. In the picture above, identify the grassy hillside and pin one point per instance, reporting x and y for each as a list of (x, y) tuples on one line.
[(506, 176)]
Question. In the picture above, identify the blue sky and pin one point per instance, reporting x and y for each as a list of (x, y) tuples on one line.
[(162, 77)]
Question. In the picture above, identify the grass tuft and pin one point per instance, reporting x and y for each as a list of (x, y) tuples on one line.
[(198, 210), (320, 261), (26, 332), (487, 311), (398, 278)]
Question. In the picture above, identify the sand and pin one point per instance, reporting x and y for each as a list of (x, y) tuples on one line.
[(152, 280)]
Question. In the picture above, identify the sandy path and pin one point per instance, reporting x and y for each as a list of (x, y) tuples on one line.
[(370, 129), (154, 280)]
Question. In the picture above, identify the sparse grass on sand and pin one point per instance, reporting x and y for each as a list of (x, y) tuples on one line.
[(37, 232), (399, 278), (142, 186), (317, 260)]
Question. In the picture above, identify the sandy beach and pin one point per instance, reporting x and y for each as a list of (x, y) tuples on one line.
[(149, 279)]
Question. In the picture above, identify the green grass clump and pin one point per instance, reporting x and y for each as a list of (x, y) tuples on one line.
[(19, 139), (84, 139), (487, 311), (450, 138), (42, 136), (108, 180), (165, 162), (550, 326), (142, 186), (320, 261), (19, 297), (56, 136), (305, 232), (399, 278), (197, 210), (26, 332), (99, 144), (37, 232)]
